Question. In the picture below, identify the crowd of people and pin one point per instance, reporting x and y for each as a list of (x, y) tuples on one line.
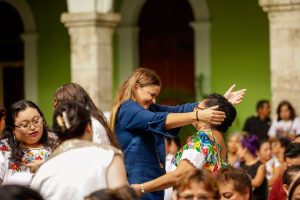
[(136, 154)]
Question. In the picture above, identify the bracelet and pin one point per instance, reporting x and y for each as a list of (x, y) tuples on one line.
[(197, 115), (142, 188)]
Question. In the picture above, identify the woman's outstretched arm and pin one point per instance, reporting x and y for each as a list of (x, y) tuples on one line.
[(167, 180)]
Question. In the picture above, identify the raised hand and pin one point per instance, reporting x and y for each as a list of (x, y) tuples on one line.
[(211, 115), (234, 97)]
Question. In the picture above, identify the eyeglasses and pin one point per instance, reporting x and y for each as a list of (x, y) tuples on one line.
[(192, 197), (36, 122)]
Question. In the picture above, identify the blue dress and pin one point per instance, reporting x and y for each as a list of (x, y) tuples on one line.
[(141, 133)]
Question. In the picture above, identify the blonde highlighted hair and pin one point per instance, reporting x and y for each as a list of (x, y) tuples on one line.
[(141, 76)]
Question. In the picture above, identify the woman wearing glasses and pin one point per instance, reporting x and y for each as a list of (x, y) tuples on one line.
[(26, 143)]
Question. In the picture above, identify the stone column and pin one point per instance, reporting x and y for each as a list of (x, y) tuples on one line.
[(202, 58), (30, 66), (91, 52), (284, 17)]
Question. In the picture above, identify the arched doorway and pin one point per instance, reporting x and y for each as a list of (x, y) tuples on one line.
[(166, 45), (11, 55)]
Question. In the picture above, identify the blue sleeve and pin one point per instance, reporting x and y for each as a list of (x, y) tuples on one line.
[(133, 117), (188, 107)]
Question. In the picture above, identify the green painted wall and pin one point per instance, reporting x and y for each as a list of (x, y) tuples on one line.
[(53, 51), (240, 52)]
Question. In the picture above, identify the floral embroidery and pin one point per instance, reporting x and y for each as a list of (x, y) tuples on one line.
[(30, 155), (206, 145)]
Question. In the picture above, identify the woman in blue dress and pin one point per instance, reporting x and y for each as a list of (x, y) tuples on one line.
[(141, 125)]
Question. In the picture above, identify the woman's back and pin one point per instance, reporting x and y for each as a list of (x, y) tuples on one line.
[(75, 170), (260, 192)]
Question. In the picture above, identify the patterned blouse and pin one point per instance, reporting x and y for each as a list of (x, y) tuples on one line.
[(202, 151), (18, 173)]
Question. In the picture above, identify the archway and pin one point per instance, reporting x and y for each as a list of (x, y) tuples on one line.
[(29, 48), (128, 42), (166, 45), (11, 54)]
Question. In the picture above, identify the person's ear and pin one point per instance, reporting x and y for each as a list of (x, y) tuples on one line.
[(285, 188), (136, 86), (89, 129), (246, 192)]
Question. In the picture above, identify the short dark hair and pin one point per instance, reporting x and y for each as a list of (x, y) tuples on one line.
[(261, 103), (225, 106), (290, 107), (17, 192), (292, 151), (70, 119), (289, 174)]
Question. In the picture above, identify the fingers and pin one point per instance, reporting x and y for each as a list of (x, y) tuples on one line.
[(231, 88), (212, 107)]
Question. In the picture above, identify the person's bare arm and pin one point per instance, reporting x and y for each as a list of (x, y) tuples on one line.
[(209, 115), (259, 177), (116, 173), (167, 180), (277, 172)]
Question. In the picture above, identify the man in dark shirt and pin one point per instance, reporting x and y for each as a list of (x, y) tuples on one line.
[(260, 124)]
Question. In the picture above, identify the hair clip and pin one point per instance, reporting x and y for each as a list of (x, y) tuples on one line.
[(65, 119), (60, 122)]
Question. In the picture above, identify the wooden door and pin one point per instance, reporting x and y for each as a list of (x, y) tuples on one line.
[(166, 45)]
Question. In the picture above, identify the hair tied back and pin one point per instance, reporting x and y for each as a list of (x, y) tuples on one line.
[(63, 122)]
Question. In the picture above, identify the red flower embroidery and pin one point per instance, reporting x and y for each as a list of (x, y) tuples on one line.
[(14, 166), (38, 158), (4, 148)]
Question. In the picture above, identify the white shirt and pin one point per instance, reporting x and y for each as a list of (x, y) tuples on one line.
[(99, 132), (73, 174), (270, 166), (279, 127)]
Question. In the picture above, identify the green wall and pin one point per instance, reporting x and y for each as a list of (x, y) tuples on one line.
[(240, 52), (53, 51)]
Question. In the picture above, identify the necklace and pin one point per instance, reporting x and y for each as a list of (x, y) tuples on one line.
[(159, 161)]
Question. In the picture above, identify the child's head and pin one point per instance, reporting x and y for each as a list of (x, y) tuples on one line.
[(197, 183), (234, 184)]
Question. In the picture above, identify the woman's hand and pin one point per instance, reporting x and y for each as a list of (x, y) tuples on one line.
[(211, 115), (34, 165), (234, 97), (137, 188)]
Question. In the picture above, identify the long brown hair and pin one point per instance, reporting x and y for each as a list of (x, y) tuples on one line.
[(73, 91), (142, 76)]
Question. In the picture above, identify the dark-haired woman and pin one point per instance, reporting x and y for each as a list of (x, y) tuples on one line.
[(205, 150), (26, 143), (287, 123), (78, 166)]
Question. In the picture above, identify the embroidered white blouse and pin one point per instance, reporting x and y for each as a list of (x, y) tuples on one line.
[(18, 173)]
